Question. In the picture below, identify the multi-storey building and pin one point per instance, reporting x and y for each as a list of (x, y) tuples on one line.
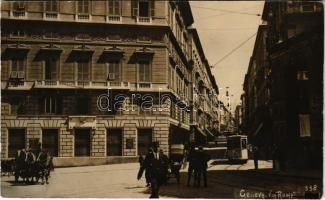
[(96, 81), (293, 40), (257, 92)]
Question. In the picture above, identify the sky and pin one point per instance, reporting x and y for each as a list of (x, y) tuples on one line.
[(223, 26)]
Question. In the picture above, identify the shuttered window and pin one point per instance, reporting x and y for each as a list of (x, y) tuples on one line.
[(83, 6), (16, 141), (113, 71), (144, 140), (51, 6), (50, 68), (50, 105), (114, 7), (82, 142), (143, 8), (17, 68), (83, 70), (19, 5), (114, 142), (50, 141), (144, 71)]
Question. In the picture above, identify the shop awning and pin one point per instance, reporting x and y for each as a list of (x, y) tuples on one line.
[(48, 51), (15, 51), (200, 131), (80, 53), (208, 131), (259, 128), (111, 54)]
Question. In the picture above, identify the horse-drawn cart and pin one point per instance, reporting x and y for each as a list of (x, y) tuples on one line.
[(28, 167), (176, 157)]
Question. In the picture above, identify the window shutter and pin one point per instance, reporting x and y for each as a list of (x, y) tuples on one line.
[(117, 7), (48, 6), (55, 6), (152, 8), (110, 7), (134, 8), (86, 6), (79, 6), (141, 73)]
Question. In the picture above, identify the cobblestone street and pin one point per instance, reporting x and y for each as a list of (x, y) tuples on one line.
[(119, 180)]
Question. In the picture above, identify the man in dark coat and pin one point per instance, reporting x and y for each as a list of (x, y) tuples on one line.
[(203, 159), (192, 165), (153, 165)]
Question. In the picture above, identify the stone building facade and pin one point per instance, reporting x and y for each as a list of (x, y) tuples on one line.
[(98, 81)]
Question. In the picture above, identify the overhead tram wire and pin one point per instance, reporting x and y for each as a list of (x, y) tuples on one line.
[(232, 51), (222, 14), (229, 11)]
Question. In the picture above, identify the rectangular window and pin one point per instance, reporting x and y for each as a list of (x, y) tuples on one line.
[(302, 75), (144, 140), (304, 122), (82, 142), (144, 71), (16, 141), (19, 6), (50, 105), (17, 68), (144, 8), (307, 6), (114, 142), (83, 71), (51, 6), (50, 68), (50, 141), (114, 7), (83, 6), (113, 69)]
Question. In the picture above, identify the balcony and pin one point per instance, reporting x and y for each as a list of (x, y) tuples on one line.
[(50, 16), (144, 20), (114, 19), (83, 17), (21, 14), (145, 85), (82, 84)]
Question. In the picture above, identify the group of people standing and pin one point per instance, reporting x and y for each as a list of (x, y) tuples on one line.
[(157, 165), (198, 165)]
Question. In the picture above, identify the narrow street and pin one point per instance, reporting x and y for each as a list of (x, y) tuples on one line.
[(115, 181)]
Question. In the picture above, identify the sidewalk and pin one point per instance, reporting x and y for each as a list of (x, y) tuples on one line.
[(308, 174)]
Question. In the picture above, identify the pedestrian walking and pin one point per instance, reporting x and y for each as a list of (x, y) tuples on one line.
[(192, 165), (141, 162), (202, 166), (165, 166), (255, 156), (153, 165)]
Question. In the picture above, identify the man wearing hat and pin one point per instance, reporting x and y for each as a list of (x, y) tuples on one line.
[(203, 159), (153, 165)]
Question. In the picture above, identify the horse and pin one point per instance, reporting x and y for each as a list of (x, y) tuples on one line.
[(21, 166)]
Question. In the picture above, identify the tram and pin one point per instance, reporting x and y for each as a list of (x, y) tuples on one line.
[(237, 148)]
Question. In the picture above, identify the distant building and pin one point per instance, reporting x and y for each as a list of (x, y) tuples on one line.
[(238, 119), (66, 63)]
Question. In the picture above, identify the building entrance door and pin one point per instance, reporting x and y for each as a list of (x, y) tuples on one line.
[(144, 140), (82, 142)]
